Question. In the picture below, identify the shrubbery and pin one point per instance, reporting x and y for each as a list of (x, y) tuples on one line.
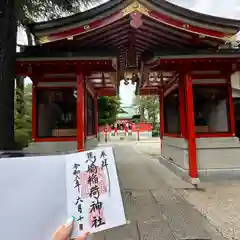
[(23, 119)]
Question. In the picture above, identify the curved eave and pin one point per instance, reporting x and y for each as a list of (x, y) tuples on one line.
[(175, 9), (112, 11), (96, 13), (220, 54)]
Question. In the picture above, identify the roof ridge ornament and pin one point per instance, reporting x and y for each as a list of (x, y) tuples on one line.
[(43, 39), (232, 42), (135, 6)]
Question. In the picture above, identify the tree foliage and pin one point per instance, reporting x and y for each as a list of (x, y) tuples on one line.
[(42, 10), (13, 12), (23, 122), (108, 108), (148, 108)]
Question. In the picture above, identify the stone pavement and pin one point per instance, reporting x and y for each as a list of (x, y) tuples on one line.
[(156, 210), (219, 202)]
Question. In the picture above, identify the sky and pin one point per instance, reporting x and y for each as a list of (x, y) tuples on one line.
[(221, 8)]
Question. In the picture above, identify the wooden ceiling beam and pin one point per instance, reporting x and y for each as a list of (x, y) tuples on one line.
[(113, 41), (170, 89), (154, 33), (171, 81), (111, 27), (106, 36), (167, 29)]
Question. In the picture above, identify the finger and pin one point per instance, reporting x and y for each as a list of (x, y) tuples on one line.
[(64, 231), (83, 237), (69, 222)]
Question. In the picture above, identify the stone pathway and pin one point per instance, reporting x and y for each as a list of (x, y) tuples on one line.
[(219, 202), (155, 210)]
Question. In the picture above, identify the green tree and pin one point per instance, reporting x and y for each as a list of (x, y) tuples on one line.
[(108, 108), (23, 123), (44, 10), (148, 108), (11, 12)]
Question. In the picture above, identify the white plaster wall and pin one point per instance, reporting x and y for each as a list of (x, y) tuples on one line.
[(176, 151), (218, 153)]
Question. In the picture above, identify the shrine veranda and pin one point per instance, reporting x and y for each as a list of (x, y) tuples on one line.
[(182, 56)]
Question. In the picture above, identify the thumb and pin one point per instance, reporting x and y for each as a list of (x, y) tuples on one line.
[(83, 237), (64, 231)]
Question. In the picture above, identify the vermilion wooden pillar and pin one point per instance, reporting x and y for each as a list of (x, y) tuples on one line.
[(181, 98), (85, 109), (191, 136), (80, 112), (231, 106), (161, 104), (34, 110), (96, 113)]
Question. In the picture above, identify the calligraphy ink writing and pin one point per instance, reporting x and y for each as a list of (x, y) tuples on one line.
[(103, 157), (89, 179), (96, 216), (79, 201)]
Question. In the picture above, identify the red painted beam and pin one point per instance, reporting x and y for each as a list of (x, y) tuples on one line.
[(106, 92), (60, 62), (63, 68), (85, 28), (207, 76), (178, 65)]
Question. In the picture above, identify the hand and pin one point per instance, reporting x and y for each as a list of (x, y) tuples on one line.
[(64, 232)]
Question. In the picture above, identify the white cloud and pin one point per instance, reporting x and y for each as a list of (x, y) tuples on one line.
[(221, 8)]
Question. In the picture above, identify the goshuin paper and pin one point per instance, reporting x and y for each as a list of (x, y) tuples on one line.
[(93, 192)]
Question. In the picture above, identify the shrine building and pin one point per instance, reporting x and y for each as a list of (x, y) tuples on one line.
[(185, 57)]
